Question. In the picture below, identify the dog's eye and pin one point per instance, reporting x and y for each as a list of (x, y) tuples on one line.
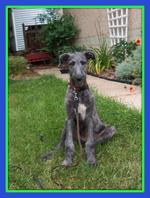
[(83, 62), (72, 63)]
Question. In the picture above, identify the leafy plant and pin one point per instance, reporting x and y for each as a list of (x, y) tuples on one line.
[(50, 15), (130, 68), (123, 49), (17, 64), (104, 58), (59, 32)]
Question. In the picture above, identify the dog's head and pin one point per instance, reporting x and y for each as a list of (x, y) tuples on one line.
[(76, 64)]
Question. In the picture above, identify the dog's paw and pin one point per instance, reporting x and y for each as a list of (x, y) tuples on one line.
[(91, 161), (66, 163), (110, 130)]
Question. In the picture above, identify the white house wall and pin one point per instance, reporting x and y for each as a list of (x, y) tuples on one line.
[(26, 16)]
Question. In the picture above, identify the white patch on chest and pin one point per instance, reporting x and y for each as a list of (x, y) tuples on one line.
[(82, 110)]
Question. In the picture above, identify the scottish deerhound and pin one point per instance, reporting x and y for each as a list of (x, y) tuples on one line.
[(92, 130)]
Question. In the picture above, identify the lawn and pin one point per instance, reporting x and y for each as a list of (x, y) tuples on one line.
[(36, 118)]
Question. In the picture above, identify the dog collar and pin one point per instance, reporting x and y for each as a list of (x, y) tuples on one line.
[(76, 88)]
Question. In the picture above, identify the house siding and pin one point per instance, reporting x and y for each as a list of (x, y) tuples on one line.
[(91, 22), (87, 19), (26, 16), (135, 24)]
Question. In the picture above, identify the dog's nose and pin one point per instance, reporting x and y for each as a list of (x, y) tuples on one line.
[(79, 78)]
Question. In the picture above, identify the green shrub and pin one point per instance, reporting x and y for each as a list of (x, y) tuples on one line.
[(17, 64), (59, 32), (104, 58), (50, 15), (130, 68), (122, 50)]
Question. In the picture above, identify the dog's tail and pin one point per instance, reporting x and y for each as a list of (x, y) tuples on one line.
[(50, 153), (105, 135)]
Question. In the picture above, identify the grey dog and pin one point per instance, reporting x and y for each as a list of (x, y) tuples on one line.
[(92, 130)]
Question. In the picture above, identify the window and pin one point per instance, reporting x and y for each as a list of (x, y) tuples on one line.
[(118, 24)]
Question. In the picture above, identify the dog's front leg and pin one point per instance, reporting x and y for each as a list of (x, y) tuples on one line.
[(69, 145), (89, 148)]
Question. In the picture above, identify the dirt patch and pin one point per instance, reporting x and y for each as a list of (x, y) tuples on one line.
[(109, 73), (24, 75)]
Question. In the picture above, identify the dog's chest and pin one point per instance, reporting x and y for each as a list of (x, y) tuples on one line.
[(82, 110)]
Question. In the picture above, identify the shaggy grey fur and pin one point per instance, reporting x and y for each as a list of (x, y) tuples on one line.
[(92, 130)]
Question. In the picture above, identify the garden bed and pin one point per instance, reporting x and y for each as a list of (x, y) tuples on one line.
[(109, 74)]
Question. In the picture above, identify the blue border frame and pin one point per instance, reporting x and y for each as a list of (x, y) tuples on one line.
[(2, 87)]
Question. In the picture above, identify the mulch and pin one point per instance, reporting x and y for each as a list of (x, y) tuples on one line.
[(109, 74)]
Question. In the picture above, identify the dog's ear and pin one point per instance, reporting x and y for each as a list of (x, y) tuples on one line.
[(89, 55), (63, 59)]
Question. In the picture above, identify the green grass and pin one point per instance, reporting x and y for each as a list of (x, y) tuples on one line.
[(36, 111)]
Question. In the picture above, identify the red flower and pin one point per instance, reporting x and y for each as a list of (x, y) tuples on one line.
[(132, 89), (138, 41)]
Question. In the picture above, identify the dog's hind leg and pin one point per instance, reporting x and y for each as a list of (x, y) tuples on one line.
[(104, 135), (51, 152)]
